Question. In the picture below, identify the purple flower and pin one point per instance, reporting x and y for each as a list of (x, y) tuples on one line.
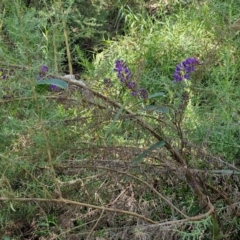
[(53, 88), (44, 69), (2, 74), (184, 69), (123, 72), (134, 93), (43, 72), (124, 75), (131, 85)]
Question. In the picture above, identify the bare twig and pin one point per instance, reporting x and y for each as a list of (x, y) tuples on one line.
[(64, 25)]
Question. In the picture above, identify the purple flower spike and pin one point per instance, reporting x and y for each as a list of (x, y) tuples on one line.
[(124, 75), (184, 69)]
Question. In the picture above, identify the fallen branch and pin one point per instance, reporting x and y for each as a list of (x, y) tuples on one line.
[(67, 201)]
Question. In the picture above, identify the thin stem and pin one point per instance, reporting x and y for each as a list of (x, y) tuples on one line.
[(65, 32)]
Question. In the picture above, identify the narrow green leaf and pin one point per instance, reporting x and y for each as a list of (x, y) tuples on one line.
[(145, 153), (159, 94)]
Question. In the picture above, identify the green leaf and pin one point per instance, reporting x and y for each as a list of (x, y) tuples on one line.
[(159, 94), (145, 153), (53, 81), (156, 108)]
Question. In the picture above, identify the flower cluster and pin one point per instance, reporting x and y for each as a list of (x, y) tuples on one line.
[(184, 69), (123, 71), (2, 74), (124, 75)]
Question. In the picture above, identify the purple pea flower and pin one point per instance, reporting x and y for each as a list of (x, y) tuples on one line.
[(123, 72), (124, 75), (43, 72), (184, 69)]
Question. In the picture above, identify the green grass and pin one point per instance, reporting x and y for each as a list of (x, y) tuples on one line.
[(67, 166)]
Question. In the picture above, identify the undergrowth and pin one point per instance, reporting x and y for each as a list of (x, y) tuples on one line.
[(128, 150)]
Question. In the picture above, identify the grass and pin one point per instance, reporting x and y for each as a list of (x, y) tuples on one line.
[(94, 162)]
